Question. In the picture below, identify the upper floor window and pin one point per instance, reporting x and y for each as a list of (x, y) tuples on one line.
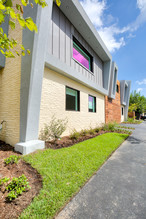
[(81, 55), (72, 99), (92, 104), (122, 111), (117, 88)]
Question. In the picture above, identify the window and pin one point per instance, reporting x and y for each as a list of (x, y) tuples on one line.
[(117, 88), (92, 104), (109, 100), (72, 99), (81, 55), (122, 111), (114, 81)]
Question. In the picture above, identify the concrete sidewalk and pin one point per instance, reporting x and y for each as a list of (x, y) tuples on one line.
[(118, 190)]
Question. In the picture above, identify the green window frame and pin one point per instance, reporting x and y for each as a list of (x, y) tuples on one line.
[(72, 99), (78, 46), (91, 104), (83, 54)]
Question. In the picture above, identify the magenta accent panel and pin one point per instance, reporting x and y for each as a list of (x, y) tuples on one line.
[(80, 58)]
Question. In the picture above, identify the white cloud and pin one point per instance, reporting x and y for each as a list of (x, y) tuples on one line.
[(112, 35), (94, 9), (139, 89), (141, 82), (141, 5), (108, 35)]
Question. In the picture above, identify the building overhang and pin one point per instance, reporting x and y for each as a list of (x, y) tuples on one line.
[(75, 13), (113, 80)]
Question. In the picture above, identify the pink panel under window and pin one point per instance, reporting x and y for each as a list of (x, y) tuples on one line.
[(80, 58)]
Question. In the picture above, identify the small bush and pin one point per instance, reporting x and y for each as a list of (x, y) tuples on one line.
[(54, 130), (3, 181), (97, 130), (91, 131), (16, 187), (109, 127), (74, 135), (131, 120), (12, 159), (83, 132)]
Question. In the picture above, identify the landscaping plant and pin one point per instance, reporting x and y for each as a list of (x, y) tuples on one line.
[(3, 181), (75, 135), (12, 159), (16, 187), (109, 127), (54, 130)]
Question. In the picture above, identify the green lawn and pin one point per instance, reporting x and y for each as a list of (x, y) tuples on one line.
[(66, 170)]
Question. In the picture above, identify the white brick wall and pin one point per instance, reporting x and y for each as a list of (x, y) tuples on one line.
[(53, 103)]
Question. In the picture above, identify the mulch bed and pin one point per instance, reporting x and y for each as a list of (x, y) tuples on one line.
[(13, 209), (67, 142)]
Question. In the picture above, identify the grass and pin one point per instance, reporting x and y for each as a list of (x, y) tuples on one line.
[(125, 127), (132, 121), (66, 170)]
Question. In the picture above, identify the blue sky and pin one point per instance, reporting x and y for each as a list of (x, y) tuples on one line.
[(122, 26)]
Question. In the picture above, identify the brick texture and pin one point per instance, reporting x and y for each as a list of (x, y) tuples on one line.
[(53, 103), (10, 93), (113, 108)]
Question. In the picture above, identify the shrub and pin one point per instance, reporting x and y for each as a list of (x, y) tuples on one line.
[(83, 132), (74, 135), (4, 180), (91, 131), (12, 159), (109, 127), (16, 187), (45, 133), (97, 130), (131, 120), (54, 130)]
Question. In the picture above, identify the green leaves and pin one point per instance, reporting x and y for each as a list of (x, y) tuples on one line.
[(30, 24), (137, 102), (12, 24), (12, 159), (58, 2), (17, 186), (15, 11)]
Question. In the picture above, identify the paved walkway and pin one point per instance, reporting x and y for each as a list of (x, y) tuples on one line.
[(118, 190)]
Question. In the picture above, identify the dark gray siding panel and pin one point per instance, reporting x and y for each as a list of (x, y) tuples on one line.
[(61, 46)]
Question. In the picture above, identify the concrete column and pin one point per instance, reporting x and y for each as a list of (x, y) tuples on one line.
[(32, 69)]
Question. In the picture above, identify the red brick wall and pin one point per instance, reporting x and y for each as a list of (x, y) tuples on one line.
[(113, 108)]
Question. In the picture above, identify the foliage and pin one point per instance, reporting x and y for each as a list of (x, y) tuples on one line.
[(97, 129), (91, 131), (125, 127), (137, 102), (4, 180), (83, 132), (132, 121), (74, 135), (109, 127), (119, 130), (12, 159), (16, 187), (54, 130), (66, 170), (15, 12)]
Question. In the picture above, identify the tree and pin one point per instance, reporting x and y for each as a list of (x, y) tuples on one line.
[(137, 102), (15, 12)]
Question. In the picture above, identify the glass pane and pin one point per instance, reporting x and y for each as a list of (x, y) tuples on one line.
[(90, 103), (71, 92), (80, 58), (70, 102), (71, 99)]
